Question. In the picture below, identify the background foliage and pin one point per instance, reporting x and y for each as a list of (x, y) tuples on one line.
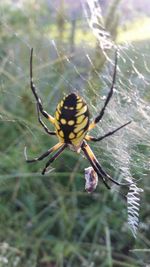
[(51, 221)]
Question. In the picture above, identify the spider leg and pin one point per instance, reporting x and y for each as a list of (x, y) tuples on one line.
[(95, 139), (92, 159), (44, 155), (99, 117), (33, 88), (97, 167), (109, 177), (54, 157), (43, 124)]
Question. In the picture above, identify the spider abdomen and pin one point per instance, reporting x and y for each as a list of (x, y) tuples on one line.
[(71, 119)]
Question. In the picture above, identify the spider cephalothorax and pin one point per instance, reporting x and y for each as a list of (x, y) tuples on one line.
[(72, 124)]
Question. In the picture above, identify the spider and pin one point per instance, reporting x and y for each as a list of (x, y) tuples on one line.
[(72, 126)]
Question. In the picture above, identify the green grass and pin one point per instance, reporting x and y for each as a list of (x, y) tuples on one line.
[(49, 221)]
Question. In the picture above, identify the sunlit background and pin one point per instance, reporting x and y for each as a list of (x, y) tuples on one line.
[(51, 221)]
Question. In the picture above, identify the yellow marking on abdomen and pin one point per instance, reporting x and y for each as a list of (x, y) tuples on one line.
[(59, 108), (63, 121), (81, 111), (57, 115), (71, 122), (80, 119), (80, 133), (57, 125), (81, 126), (77, 141), (71, 135), (61, 134), (78, 106)]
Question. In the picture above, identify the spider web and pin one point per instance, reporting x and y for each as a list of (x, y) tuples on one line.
[(131, 93)]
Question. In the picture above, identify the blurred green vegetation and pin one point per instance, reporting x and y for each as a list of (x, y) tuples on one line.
[(138, 30), (51, 221)]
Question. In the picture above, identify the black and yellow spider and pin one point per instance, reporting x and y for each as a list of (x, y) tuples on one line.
[(72, 125)]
